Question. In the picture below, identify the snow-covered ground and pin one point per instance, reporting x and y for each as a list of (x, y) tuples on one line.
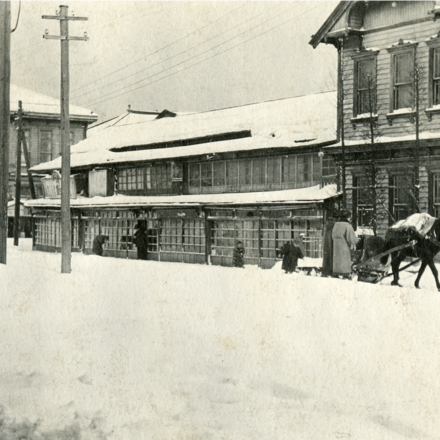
[(145, 350)]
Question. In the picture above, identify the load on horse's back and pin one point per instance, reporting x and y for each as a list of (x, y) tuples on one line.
[(421, 233)]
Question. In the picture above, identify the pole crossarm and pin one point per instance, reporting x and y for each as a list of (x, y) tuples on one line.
[(60, 37), (59, 17)]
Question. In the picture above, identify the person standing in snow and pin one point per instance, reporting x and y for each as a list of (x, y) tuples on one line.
[(238, 255), (327, 259), (140, 239), (344, 241), (98, 244), (291, 252)]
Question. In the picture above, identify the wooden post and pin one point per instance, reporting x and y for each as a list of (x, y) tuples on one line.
[(5, 73), (28, 165), (18, 175), (66, 227)]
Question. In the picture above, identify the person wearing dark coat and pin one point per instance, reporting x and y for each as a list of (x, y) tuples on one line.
[(98, 244), (327, 259), (344, 241), (141, 241), (238, 255), (290, 253)]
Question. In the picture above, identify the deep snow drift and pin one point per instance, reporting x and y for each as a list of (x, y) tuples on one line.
[(143, 350)]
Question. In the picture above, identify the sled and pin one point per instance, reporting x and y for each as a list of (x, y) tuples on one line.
[(373, 271)]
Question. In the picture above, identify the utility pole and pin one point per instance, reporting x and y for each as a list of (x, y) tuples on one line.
[(18, 175), (66, 235), (5, 76)]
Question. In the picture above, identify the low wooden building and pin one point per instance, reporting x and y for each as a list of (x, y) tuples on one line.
[(200, 182)]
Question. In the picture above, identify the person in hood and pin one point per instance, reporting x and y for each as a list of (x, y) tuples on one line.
[(291, 252), (98, 243), (140, 239), (238, 255)]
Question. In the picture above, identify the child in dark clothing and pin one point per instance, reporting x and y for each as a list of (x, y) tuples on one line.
[(238, 255)]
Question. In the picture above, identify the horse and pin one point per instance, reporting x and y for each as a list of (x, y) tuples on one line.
[(425, 247)]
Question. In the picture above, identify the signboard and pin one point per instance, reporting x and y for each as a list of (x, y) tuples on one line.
[(52, 186), (98, 183)]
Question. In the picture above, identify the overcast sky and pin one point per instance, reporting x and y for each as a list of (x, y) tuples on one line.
[(178, 55)]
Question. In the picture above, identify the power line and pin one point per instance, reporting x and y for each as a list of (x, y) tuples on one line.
[(92, 102), (156, 10), (149, 55)]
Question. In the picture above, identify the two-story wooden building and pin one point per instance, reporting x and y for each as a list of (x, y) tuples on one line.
[(41, 125), (200, 182), (389, 106)]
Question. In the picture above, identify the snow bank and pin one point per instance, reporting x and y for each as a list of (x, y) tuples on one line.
[(130, 350)]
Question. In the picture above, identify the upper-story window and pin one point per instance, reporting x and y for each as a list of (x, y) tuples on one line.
[(403, 77), (152, 179), (45, 150), (403, 55), (435, 69), (365, 86)]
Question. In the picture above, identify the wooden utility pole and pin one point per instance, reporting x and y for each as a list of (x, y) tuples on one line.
[(5, 74), (66, 234), (28, 165), (18, 174)]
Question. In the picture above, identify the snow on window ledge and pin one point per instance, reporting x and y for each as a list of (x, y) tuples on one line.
[(401, 112), (363, 118), (432, 111)]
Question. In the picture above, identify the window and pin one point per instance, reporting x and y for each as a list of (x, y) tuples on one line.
[(365, 71), (436, 194), (363, 204), (45, 151), (72, 137), (161, 178), (131, 179), (328, 166), (403, 76), (401, 197), (435, 76)]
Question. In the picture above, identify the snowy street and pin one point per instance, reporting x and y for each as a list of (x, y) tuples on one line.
[(123, 349)]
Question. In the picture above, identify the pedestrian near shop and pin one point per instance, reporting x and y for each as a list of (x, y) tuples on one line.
[(291, 252), (238, 255), (98, 243), (327, 259), (140, 239), (344, 241)]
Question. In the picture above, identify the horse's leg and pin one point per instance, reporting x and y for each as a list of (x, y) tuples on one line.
[(421, 270), (434, 272), (396, 260)]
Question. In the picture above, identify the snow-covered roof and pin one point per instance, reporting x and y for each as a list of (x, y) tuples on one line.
[(291, 122), (313, 194), (43, 105)]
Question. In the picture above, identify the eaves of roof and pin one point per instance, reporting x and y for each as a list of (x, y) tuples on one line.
[(331, 20), (40, 115)]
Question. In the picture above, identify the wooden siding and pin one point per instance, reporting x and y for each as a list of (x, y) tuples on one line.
[(381, 40), (382, 13)]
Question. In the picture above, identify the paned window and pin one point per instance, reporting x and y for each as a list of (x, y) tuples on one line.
[(403, 76), (219, 173), (364, 205), (45, 150), (245, 172), (402, 199), (328, 166), (289, 169), (131, 179), (435, 76), (161, 177), (206, 174), (436, 194), (232, 175), (366, 86)]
